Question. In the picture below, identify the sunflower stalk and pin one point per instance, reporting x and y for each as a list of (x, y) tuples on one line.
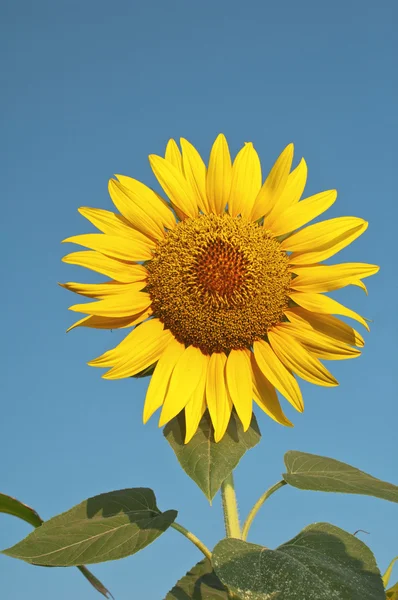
[(230, 508)]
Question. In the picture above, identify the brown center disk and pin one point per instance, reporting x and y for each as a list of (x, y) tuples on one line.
[(219, 282)]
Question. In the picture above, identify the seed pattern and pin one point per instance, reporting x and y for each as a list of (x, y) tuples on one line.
[(219, 282)]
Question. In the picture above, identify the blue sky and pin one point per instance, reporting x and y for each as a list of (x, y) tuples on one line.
[(90, 89)]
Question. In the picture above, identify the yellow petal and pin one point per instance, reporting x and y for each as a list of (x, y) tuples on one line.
[(265, 395), (239, 382), (113, 224), (102, 290), (293, 189), (160, 378), (95, 322), (328, 278), (277, 374), (141, 353), (195, 409), (246, 181), (113, 246), (186, 376), (319, 344), (318, 242), (149, 201), (392, 592), (273, 185), (174, 184), (195, 174), (120, 305), (323, 304), (387, 575), (223, 424), (218, 400), (173, 155), (299, 214), (115, 269), (131, 208), (330, 326), (219, 175), (151, 329), (361, 285), (114, 355), (298, 359)]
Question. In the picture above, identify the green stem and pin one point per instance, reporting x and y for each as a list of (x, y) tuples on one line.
[(230, 508), (192, 538), (258, 505)]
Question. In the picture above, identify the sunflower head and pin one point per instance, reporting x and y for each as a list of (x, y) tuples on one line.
[(220, 284)]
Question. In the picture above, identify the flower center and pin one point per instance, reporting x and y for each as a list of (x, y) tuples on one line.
[(218, 282)]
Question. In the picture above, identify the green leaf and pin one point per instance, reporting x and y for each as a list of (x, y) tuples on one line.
[(16, 508), (200, 583), (208, 463), (106, 527), (322, 562), (312, 472)]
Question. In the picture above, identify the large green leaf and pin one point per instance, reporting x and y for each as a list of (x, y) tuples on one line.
[(200, 583), (14, 507), (312, 472), (208, 463), (322, 562), (105, 527)]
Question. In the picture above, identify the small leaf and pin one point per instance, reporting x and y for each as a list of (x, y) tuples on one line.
[(318, 473), (387, 574), (200, 583), (322, 562), (14, 507), (106, 527), (208, 463)]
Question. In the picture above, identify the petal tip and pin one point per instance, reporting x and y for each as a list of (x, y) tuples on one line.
[(188, 437), (109, 375), (162, 420), (290, 148)]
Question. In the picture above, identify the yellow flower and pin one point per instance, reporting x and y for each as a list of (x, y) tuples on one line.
[(223, 287)]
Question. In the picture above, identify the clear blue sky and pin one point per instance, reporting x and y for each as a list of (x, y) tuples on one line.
[(90, 89)]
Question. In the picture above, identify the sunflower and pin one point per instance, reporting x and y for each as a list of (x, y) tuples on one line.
[(221, 284)]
